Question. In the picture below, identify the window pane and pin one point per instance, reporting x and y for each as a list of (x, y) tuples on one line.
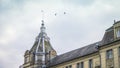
[(82, 65), (119, 51), (90, 63), (70, 66), (78, 65), (118, 33), (109, 54), (66, 67)]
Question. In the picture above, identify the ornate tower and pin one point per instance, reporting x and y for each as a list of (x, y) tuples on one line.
[(41, 53)]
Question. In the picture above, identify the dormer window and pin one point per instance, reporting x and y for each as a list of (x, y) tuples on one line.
[(116, 29), (118, 33), (26, 59)]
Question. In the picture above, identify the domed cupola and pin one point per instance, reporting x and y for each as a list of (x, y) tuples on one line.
[(42, 52)]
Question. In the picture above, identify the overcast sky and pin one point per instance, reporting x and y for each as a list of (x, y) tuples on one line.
[(84, 23)]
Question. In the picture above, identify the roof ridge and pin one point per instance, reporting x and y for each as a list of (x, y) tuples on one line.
[(79, 48)]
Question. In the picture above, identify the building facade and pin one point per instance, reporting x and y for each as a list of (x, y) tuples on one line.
[(102, 54)]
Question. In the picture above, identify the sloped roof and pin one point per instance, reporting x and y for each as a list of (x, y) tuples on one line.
[(108, 36), (75, 54), (92, 48), (117, 22)]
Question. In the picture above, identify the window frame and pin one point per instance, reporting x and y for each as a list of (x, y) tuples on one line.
[(91, 63), (119, 51), (70, 66), (66, 67), (118, 32), (80, 65), (109, 54)]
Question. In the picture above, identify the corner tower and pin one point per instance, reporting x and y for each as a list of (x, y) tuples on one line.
[(41, 52)]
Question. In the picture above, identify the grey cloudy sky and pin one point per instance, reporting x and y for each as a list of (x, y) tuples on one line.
[(84, 23)]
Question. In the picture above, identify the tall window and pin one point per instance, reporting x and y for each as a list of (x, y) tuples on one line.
[(119, 56), (109, 54), (80, 65), (118, 33), (117, 30), (119, 51), (90, 63), (66, 67), (70, 66)]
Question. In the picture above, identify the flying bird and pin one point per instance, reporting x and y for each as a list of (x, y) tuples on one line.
[(55, 14), (64, 12)]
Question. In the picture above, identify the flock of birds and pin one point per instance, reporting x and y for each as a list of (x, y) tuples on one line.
[(56, 13)]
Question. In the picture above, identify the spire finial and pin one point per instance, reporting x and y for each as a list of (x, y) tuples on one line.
[(42, 18), (42, 22), (42, 25)]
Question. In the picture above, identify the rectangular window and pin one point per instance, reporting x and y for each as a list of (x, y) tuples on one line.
[(118, 33), (109, 54), (80, 65), (70, 66), (66, 67), (25, 59), (90, 63), (119, 51)]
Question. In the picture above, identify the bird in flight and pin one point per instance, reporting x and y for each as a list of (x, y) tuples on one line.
[(55, 14), (64, 12)]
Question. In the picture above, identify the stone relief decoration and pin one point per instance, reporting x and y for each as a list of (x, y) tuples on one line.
[(97, 64), (110, 63)]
